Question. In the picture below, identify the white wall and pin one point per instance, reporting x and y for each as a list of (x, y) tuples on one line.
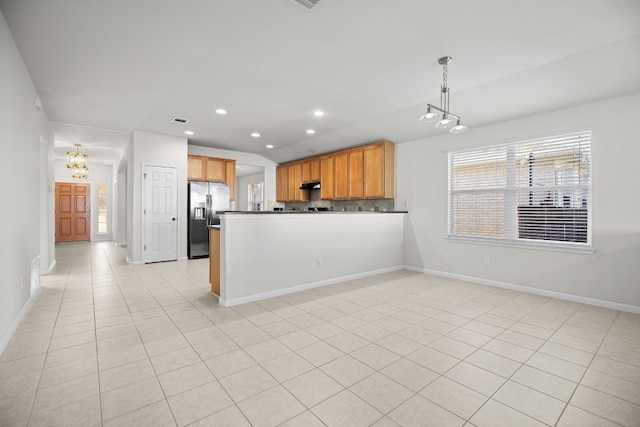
[(246, 159), (47, 206), (242, 190), (272, 254), (611, 274), (22, 128), (158, 150), (99, 174)]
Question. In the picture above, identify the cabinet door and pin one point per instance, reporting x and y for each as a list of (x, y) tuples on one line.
[(306, 171), (327, 178), (230, 177), (295, 179), (374, 171), (314, 166), (341, 175), (282, 183), (196, 166), (216, 170), (356, 173)]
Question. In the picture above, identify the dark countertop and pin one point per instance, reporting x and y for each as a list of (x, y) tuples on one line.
[(297, 212)]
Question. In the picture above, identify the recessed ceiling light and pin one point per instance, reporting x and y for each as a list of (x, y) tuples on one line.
[(221, 111), (188, 132), (269, 146), (255, 135), (310, 131), (318, 113)]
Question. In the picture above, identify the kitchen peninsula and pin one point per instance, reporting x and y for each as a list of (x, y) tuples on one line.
[(262, 255)]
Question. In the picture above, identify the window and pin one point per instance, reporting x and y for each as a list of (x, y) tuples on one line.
[(102, 209), (536, 191)]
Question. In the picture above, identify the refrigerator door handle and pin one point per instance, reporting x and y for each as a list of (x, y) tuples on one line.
[(208, 209)]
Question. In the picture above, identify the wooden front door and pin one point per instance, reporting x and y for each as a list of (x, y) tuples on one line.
[(73, 217)]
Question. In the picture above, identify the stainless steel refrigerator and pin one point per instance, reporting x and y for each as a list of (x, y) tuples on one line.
[(205, 198)]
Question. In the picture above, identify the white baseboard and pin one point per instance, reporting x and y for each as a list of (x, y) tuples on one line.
[(49, 270), (279, 292), (16, 322), (569, 297), (132, 262)]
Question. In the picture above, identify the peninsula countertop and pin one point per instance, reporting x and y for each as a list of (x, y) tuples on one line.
[(311, 212)]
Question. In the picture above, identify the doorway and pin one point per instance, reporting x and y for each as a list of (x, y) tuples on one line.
[(160, 214), (73, 212)]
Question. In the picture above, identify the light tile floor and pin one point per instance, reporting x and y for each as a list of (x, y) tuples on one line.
[(110, 344)]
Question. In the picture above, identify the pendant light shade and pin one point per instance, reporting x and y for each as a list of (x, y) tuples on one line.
[(429, 116), (446, 122), (458, 128)]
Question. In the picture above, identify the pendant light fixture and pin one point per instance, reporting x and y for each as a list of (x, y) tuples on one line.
[(78, 163), (446, 118)]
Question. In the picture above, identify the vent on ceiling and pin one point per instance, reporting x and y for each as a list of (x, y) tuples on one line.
[(307, 4), (180, 120)]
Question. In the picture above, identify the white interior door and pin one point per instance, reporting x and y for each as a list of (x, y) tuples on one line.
[(160, 214)]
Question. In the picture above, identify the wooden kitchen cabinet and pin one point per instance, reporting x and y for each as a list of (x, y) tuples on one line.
[(341, 165), (311, 170), (356, 173), (379, 171), (282, 183), (230, 177), (212, 169), (196, 168), (327, 178), (366, 172), (295, 180), (216, 170)]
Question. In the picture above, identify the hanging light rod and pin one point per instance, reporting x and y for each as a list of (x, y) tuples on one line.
[(447, 118)]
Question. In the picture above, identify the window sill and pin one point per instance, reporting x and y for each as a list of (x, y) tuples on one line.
[(559, 247)]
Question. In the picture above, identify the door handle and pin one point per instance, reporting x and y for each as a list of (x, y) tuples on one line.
[(173, 219)]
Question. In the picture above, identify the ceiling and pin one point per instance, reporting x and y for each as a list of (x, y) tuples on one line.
[(105, 68)]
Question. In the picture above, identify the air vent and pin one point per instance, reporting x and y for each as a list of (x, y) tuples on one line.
[(307, 4), (180, 120)]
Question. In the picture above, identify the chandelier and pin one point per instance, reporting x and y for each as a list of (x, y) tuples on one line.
[(447, 118), (78, 163)]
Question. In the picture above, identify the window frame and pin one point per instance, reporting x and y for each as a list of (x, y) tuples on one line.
[(510, 189)]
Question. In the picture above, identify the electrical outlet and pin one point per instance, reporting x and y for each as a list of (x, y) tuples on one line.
[(320, 261), (487, 260), (21, 281), (406, 203)]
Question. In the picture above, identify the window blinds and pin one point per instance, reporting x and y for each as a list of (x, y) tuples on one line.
[(536, 190)]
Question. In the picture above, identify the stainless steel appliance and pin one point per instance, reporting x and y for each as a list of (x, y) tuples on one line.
[(205, 198)]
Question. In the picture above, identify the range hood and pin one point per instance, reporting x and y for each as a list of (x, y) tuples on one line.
[(310, 186)]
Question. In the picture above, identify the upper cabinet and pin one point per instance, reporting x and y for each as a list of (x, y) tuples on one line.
[(230, 177), (311, 170), (327, 177), (356, 173), (288, 181), (216, 170), (196, 168), (366, 172), (379, 171), (212, 169)]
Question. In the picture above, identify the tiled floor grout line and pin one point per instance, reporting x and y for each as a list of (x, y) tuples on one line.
[(175, 286), (587, 370), (44, 362), (511, 376)]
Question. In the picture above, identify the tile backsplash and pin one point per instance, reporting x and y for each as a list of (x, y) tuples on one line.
[(383, 205)]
